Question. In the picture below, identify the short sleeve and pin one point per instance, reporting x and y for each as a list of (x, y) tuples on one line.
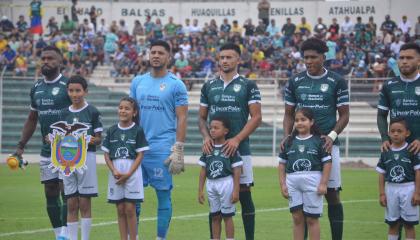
[(324, 155), (236, 160), (133, 88), (383, 103), (254, 95), (282, 158), (289, 93), (33, 105), (203, 97), (96, 122), (380, 167), (202, 160), (180, 94), (416, 161), (105, 142), (141, 142), (342, 93)]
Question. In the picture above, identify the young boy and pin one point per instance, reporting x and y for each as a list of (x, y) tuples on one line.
[(80, 187), (223, 174), (400, 169)]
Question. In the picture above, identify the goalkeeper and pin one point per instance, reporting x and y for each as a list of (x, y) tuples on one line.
[(163, 105)]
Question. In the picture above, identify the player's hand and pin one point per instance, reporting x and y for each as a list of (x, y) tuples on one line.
[(328, 143), (415, 200), (283, 143), (92, 140), (414, 147), (230, 146), (122, 179), (235, 197), (382, 200), (386, 145), (208, 144), (175, 161), (284, 191), (322, 189), (201, 197)]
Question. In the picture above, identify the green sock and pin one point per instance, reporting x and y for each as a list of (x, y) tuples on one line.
[(210, 226), (64, 210), (53, 210), (248, 214), (305, 236), (400, 232), (335, 215)]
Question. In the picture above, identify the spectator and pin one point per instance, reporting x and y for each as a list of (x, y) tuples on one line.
[(110, 45), (122, 26), (288, 30), (303, 27), (388, 26), (74, 12), (396, 45), (320, 29), (157, 30), (359, 27), (182, 65), (185, 47), (405, 27), (6, 25), (332, 52), (187, 27), (170, 28), (264, 11), (14, 45), (86, 28), (225, 27), (417, 33), (52, 26), (22, 25), (8, 58), (138, 29), (67, 26), (102, 27), (249, 27), (213, 29), (93, 16), (195, 29), (347, 26), (272, 29), (39, 46), (260, 30), (148, 25), (236, 29), (21, 66), (334, 30), (371, 27)]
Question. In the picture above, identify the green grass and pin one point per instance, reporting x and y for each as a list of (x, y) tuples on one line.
[(22, 208)]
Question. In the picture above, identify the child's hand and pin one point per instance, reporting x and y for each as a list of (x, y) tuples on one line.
[(382, 200), (123, 178), (322, 189), (284, 191), (201, 197), (416, 199), (92, 140), (47, 138), (116, 174), (235, 197)]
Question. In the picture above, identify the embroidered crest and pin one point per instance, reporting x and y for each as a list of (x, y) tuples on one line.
[(303, 96), (396, 156), (216, 152), (55, 91), (122, 136), (324, 87), (236, 87), (301, 148), (162, 86)]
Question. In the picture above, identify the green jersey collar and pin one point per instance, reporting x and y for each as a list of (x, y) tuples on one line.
[(318, 77), (400, 148), (126, 128), (410, 80), (78, 110), (53, 81), (225, 84), (305, 138)]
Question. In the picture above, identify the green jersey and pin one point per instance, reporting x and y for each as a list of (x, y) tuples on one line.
[(399, 165), (49, 99), (231, 101), (87, 115), (124, 143), (402, 99), (304, 154), (217, 164), (323, 94)]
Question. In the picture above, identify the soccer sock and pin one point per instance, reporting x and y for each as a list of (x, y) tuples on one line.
[(392, 237), (335, 215), (210, 226), (400, 228), (164, 212), (64, 209), (57, 231), (53, 210), (248, 214), (305, 234), (86, 224), (138, 211), (72, 228)]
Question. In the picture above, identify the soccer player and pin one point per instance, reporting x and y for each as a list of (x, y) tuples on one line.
[(48, 99), (325, 92), (222, 173), (163, 104), (400, 169), (80, 187), (234, 97), (401, 97)]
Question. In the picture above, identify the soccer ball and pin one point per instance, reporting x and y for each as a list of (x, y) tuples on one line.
[(12, 162)]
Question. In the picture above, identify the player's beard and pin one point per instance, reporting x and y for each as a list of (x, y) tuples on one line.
[(408, 71), (49, 72)]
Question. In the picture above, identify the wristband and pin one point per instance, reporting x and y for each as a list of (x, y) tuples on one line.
[(333, 135)]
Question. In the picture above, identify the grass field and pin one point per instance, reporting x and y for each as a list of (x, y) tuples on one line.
[(23, 215)]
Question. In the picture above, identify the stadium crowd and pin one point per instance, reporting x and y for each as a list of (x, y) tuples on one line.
[(268, 51)]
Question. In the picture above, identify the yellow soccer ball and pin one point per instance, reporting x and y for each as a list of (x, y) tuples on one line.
[(12, 162)]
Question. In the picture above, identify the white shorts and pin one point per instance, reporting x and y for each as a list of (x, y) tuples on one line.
[(219, 193), (247, 175), (47, 174), (131, 190), (335, 175), (302, 188), (398, 197), (83, 184)]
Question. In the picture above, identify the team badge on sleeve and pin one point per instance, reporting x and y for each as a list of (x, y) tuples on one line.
[(69, 143)]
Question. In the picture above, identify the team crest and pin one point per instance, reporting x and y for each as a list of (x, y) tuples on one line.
[(55, 91), (162, 86), (122, 136), (69, 143), (398, 102), (236, 87), (417, 90), (301, 148), (216, 152), (75, 120), (303, 96), (324, 87), (217, 98), (396, 156)]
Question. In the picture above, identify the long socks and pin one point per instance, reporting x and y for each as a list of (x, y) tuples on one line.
[(335, 215), (248, 214), (164, 212)]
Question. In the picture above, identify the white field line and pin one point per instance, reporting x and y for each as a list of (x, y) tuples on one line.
[(173, 218)]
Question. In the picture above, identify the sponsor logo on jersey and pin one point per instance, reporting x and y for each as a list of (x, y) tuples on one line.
[(302, 165), (55, 91), (162, 86), (236, 87), (417, 90), (216, 168), (324, 87), (397, 174), (122, 152), (301, 148)]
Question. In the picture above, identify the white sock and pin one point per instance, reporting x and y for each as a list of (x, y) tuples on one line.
[(72, 228), (392, 237), (64, 232), (159, 238), (57, 231), (86, 226)]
